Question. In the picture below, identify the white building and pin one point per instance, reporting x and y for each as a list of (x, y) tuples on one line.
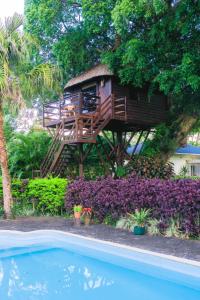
[(186, 160)]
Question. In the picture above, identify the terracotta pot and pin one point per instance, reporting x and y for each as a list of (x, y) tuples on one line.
[(77, 215)]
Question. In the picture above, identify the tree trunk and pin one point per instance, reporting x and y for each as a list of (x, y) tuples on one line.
[(177, 135), (6, 180)]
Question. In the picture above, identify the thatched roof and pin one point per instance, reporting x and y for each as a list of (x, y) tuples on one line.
[(97, 71)]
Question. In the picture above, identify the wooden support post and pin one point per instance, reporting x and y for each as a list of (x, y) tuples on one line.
[(145, 139), (108, 156), (81, 173), (104, 165), (138, 141), (119, 151), (88, 151)]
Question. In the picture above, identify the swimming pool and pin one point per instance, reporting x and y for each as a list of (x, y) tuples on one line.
[(52, 265)]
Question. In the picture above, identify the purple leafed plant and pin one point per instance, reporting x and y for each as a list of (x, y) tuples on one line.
[(116, 197)]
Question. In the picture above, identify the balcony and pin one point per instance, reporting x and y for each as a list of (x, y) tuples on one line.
[(69, 108)]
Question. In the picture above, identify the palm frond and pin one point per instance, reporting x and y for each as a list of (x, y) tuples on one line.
[(18, 78), (13, 24)]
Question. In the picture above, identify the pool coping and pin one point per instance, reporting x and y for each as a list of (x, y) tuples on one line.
[(113, 244), (181, 248)]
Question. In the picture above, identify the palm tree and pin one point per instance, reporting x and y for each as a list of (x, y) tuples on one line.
[(18, 81)]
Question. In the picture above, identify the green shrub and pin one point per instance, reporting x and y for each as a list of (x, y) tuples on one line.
[(47, 194), (37, 196)]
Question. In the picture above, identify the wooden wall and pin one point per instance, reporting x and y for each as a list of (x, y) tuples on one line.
[(141, 109), (104, 88)]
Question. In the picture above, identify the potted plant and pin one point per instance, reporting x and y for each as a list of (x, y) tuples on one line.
[(140, 218), (87, 213), (77, 211)]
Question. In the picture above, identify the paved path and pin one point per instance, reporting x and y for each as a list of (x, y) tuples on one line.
[(183, 248)]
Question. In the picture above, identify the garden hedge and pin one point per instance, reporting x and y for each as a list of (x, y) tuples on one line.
[(116, 197), (45, 195)]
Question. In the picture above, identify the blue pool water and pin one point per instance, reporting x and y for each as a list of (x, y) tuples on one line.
[(56, 273)]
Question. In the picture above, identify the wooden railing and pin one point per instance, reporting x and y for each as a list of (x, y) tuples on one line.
[(70, 106), (54, 148), (51, 112), (86, 127), (120, 108)]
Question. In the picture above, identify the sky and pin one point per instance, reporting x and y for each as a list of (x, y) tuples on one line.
[(9, 7)]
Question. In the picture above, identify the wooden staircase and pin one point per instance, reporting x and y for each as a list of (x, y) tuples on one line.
[(84, 128)]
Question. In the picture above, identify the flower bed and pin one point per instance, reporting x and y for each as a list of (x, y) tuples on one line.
[(116, 197)]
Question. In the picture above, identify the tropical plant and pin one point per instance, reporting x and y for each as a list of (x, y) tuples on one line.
[(140, 217), (153, 227), (26, 152), (87, 211), (184, 171), (19, 80), (125, 223), (77, 208), (173, 228)]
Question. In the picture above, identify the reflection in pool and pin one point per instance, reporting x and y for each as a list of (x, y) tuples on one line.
[(55, 274)]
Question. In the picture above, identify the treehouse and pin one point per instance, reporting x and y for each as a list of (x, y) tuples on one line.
[(92, 105)]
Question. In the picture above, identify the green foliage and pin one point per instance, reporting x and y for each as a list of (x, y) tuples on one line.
[(77, 208), (22, 76), (140, 217), (48, 194), (147, 167), (186, 177), (146, 56), (173, 228), (153, 227), (147, 53), (160, 142), (109, 220), (121, 171), (37, 196), (73, 34), (93, 166), (125, 223), (26, 152)]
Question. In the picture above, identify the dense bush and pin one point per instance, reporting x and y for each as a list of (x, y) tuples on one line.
[(148, 167), (48, 194), (115, 197), (26, 152), (43, 196)]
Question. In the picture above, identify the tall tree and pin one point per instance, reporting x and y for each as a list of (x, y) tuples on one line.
[(74, 33), (160, 46), (18, 80)]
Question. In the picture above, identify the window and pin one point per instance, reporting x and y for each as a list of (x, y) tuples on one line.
[(194, 169), (89, 98)]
